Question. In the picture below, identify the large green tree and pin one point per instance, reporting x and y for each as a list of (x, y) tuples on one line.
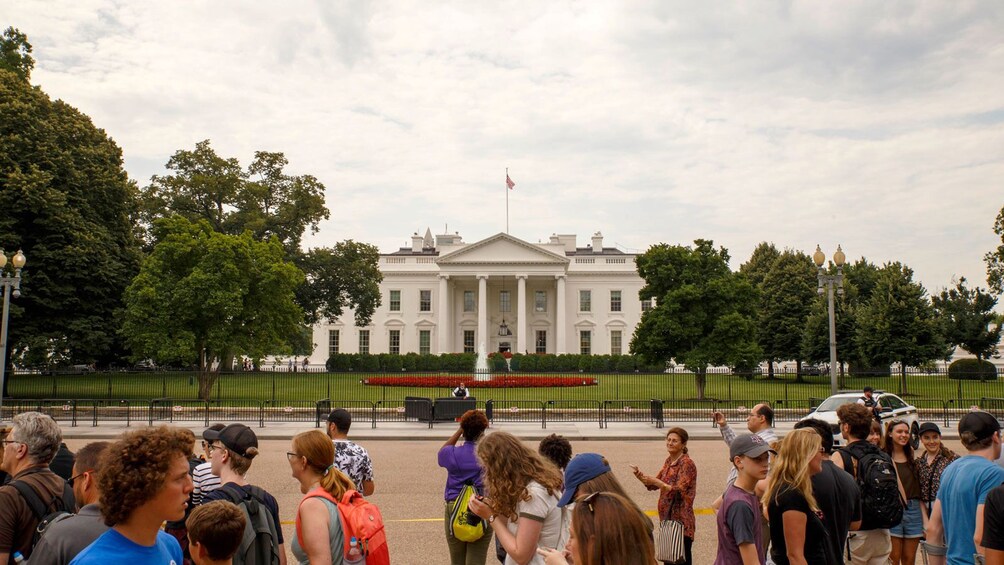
[(761, 261), (704, 313), (966, 315), (344, 276), (15, 53), (202, 295), (995, 258), (68, 203), (787, 294), (898, 323)]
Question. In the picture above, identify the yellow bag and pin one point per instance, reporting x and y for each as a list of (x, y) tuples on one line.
[(464, 524)]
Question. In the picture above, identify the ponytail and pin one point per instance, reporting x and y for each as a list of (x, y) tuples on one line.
[(336, 482)]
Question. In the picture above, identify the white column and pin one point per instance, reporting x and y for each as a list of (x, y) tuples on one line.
[(445, 329), (520, 314), (483, 312), (559, 326)]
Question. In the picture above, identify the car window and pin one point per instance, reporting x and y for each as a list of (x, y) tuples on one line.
[(885, 402), (834, 402), (895, 402)]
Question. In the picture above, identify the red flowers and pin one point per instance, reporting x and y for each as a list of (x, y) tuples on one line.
[(497, 381)]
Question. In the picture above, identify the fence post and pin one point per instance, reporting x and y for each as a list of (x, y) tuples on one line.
[(373, 414), (543, 415), (273, 387), (261, 413), (163, 382), (73, 413), (54, 395), (109, 386)]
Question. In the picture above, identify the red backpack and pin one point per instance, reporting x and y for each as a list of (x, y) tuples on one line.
[(361, 520)]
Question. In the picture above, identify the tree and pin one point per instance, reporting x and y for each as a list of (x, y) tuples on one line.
[(15, 53), (897, 323), (68, 203), (703, 314), (786, 298), (202, 295), (346, 275), (763, 259), (966, 314), (995, 258)]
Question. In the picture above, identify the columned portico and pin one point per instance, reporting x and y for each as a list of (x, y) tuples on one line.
[(521, 314), (444, 314), (482, 312), (559, 330)]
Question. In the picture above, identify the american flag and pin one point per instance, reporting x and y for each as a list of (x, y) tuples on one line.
[(508, 181)]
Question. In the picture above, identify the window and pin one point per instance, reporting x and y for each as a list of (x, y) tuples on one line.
[(425, 301), (646, 305), (395, 342), (468, 341), (585, 342), (504, 304), (395, 301), (541, 341), (615, 342), (585, 301), (540, 301), (615, 301), (332, 342), (364, 341), (469, 301), (424, 339)]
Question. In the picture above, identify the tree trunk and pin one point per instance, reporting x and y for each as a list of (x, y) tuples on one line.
[(700, 379), (902, 378), (770, 369), (207, 378), (798, 371)]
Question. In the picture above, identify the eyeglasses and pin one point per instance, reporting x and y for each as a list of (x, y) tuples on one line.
[(290, 455), (70, 481), (6, 441), (211, 447)]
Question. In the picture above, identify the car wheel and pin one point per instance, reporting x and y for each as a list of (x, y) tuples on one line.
[(915, 436)]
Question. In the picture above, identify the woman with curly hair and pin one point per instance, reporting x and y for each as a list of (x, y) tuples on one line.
[(606, 529), (905, 536), (144, 481), (677, 486), (797, 533), (522, 500), (462, 468), (319, 539)]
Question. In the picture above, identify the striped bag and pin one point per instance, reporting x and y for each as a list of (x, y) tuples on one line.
[(669, 546)]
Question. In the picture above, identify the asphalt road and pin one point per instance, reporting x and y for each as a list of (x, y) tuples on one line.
[(409, 488)]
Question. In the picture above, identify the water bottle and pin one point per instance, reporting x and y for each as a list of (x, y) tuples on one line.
[(18, 558), (355, 555)]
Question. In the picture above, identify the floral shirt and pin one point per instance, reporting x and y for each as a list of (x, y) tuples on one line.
[(682, 477), (930, 475), (353, 460)]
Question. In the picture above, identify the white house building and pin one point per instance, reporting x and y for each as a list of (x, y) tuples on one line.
[(445, 296)]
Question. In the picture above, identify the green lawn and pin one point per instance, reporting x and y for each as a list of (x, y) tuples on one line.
[(925, 390)]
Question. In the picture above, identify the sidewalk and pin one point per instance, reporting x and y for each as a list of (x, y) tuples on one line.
[(414, 431)]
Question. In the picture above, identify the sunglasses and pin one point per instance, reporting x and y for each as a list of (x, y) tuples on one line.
[(588, 501)]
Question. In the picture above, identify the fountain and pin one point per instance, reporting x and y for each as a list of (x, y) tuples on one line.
[(481, 370)]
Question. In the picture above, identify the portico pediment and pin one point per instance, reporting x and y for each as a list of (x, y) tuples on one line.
[(502, 249)]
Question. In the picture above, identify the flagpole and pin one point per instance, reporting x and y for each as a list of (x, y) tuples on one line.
[(507, 200)]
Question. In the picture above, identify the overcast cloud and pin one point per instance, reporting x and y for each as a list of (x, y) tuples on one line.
[(877, 125)]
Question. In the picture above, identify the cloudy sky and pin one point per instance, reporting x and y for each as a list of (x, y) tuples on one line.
[(877, 125)]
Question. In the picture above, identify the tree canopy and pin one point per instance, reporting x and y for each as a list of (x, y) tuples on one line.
[(995, 258), (966, 315), (15, 53), (787, 291), (202, 295), (70, 206), (703, 313)]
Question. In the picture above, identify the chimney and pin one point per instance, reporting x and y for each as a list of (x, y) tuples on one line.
[(416, 243), (597, 242)]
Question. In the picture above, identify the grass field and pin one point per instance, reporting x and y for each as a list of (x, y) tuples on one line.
[(924, 390)]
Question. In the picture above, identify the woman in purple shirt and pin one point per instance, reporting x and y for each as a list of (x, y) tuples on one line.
[(461, 464)]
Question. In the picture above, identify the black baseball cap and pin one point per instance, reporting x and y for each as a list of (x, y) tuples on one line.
[(235, 437), (981, 424), (929, 427)]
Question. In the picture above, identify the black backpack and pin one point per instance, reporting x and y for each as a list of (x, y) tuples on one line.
[(881, 502), (46, 513), (260, 543)]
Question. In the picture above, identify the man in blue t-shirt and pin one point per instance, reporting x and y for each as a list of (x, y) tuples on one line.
[(144, 481), (957, 515)]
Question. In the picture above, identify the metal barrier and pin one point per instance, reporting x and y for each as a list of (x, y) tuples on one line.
[(630, 411), (518, 411)]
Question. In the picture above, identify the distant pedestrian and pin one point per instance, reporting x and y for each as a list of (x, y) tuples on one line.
[(677, 486), (144, 481), (460, 391), (462, 468), (932, 463), (797, 534), (869, 401), (556, 449), (214, 532), (306, 363), (350, 457), (905, 537)]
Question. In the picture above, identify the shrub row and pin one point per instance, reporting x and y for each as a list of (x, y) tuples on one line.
[(972, 370), (464, 362)]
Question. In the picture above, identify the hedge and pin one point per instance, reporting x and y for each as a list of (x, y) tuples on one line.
[(464, 362), (972, 370)]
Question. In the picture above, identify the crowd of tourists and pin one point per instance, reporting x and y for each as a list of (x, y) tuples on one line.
[(148, 497)]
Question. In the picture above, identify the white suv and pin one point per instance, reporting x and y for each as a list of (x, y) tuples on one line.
[(893, 408)]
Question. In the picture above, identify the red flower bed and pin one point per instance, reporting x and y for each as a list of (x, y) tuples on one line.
[(497, 381)]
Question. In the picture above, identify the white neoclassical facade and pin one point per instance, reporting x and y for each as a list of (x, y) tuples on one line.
[(442, 295)]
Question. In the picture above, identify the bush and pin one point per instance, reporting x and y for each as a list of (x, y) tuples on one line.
[(410, 361), (567, 363), (625, 364), (366, 363), (972, 370), (339, 362), (599, 363), (866, 371), (428, 362), (546, 363), (390, 363), (527, 363)]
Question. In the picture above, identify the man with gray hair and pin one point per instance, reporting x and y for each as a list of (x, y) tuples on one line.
[(27, 451)]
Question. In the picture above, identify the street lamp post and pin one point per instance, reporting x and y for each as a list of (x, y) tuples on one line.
[(11, 287), (830, 281)]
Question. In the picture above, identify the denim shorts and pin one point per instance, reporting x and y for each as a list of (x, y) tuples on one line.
[(912, 525)]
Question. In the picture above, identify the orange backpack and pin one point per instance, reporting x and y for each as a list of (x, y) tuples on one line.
[(361, 520)]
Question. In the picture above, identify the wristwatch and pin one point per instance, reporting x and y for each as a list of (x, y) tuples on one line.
[(491, 518)]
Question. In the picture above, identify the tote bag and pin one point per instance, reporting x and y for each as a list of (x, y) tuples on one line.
[(669, 546), (464, 524)]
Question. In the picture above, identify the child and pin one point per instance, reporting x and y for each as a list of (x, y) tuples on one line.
[(215, 530), (739, 525)]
